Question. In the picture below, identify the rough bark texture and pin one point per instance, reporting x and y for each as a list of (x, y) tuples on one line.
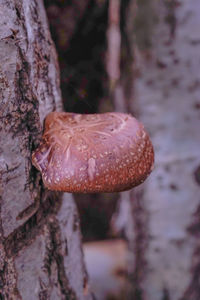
[(40, 244)]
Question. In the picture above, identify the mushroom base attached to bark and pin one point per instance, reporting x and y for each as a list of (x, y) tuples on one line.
[(108, 152)]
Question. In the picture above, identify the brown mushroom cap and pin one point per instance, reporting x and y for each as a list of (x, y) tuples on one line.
[(108, 152)]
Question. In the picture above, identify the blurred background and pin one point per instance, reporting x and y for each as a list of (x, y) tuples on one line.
[(140, 57)]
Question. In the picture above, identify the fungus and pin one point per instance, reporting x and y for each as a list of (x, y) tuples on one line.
[(108, 152)]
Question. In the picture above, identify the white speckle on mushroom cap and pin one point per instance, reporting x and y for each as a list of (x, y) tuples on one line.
[(91, 168), (93, 153)]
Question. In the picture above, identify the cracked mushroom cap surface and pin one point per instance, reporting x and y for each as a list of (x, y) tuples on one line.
[(92, 153)]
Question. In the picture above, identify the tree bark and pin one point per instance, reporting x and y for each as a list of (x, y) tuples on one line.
[(167, 99), (40, 244), (161, 218)]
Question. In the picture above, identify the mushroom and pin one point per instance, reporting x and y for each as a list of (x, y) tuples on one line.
[(91, 153)]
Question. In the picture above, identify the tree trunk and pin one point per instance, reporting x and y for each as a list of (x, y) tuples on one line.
[(163, 223), (161, 218), (40, 245)]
